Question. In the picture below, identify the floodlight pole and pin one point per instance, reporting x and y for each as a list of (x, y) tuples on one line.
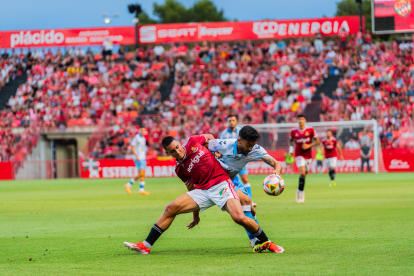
[(135, 9), (360, 16)]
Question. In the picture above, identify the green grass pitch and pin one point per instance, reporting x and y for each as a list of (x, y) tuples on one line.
[(363, 226)]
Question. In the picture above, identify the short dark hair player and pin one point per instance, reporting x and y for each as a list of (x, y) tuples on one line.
[(208, 184), (303, 138)]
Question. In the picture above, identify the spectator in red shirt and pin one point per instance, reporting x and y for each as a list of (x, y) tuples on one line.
[(343, 37)]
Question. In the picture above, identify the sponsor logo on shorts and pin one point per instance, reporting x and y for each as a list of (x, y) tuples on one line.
[(223, 191)]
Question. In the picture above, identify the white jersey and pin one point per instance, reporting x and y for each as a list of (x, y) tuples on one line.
[(140, 146), (232, 161), (227, 134)]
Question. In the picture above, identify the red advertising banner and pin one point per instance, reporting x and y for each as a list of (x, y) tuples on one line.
[(395, 160), (165, 33), (351, 163), (398, 160), (125, 168), (6, 171), (66, 37), (269, 29)]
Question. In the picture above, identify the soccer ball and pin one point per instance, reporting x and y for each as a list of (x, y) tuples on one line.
[(273, 185)]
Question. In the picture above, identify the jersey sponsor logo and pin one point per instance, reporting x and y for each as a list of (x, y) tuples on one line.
[(194, 149), (303, 140), (223, 191), (195, 160)]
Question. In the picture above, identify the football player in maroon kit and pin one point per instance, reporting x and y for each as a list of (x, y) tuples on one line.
[(208, 184), (330, 146), (303, 138)]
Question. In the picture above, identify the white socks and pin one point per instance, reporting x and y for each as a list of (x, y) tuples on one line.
[(147, 245), (141, 186)]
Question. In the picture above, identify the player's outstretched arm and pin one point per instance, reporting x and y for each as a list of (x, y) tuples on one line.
[(277, 167), (208, 138)]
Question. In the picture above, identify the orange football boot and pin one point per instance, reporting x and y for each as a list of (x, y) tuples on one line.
[(138, 247)]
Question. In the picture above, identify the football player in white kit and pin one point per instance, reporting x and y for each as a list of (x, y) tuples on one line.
[(234, 154), (139, 150), (232, 132)]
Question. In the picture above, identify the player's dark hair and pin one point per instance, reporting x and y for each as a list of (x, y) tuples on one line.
[(167, 141), (249, 133), (300, 116), (232, 115), (329, 130)]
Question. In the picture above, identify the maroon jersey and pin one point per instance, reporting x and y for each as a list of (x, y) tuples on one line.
[(199, 165), (301, 137), (330, 147)]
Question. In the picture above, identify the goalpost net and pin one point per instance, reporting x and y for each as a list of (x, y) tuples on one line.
[(351, 136)]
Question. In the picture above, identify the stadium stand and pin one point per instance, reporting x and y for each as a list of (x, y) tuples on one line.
[(181, 91), (376, 84)]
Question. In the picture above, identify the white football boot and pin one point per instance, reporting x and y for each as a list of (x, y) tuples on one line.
[(298, 198), (302, 197)]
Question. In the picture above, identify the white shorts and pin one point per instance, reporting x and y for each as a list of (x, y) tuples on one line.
[(216, 195), (331, 162), (302, 162)]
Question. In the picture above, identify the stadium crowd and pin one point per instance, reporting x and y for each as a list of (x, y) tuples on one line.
[(378, 84), (266, 81), (75, 88)]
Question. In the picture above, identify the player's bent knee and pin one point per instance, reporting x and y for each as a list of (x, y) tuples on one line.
[(170, 209), (239, 219)]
